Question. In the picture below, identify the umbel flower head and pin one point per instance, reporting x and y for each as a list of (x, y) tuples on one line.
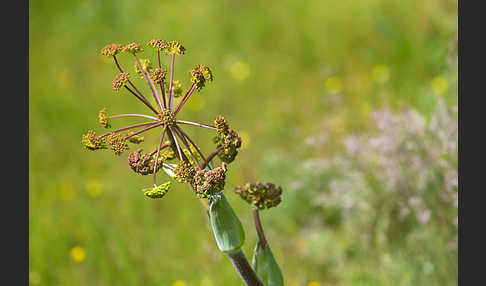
[(261, 196), (165, 101)]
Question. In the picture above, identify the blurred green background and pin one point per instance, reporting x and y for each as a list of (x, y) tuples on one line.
[(369, 198)]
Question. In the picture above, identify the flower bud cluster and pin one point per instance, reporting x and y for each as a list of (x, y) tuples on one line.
[(157, 192), (120, 80), (135, 138), (117, 143), (173, 47), (208, 182), (227, 139), (184, 172), (262, 196), (103, 118), (111, 50), (157, 44), (92, 142), (199, 75), (132, 48), (158, 75)]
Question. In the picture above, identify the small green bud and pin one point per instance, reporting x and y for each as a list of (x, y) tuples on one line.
[(226, 226), (103, 118), (120, 80), (111, 50), (266, 266), (157, 192)]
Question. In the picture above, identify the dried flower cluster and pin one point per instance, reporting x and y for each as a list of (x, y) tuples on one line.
[(262, 196), (192, 165)]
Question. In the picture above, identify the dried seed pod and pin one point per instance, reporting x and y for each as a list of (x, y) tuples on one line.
[(262, 196)]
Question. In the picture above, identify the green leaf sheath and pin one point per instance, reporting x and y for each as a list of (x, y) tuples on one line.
[(266, 266), (227, 228)]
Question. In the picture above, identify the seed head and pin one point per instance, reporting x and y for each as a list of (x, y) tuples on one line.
[(173, 47), (120, 80), (143, 164), (208, 182), (103, 118), (111, 50), (146, 65), (117, 143), (158, 75), (157, 192), (227, 140), (93, 142), (157, 44), (184, 172), (262, 196), (132, 48)]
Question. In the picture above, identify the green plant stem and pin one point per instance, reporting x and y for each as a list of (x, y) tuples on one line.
[(238, 259), (244, 269)]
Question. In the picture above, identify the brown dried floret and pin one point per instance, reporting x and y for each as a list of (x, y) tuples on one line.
[(262, 196), (111, 50), (143, 163), (120, 80), (199, 75), (208, 182)]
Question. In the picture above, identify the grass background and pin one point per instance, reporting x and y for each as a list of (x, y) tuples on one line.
[(280, 68)]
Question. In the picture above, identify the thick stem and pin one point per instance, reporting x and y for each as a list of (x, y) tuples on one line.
[(244, 269), (259, 229)]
